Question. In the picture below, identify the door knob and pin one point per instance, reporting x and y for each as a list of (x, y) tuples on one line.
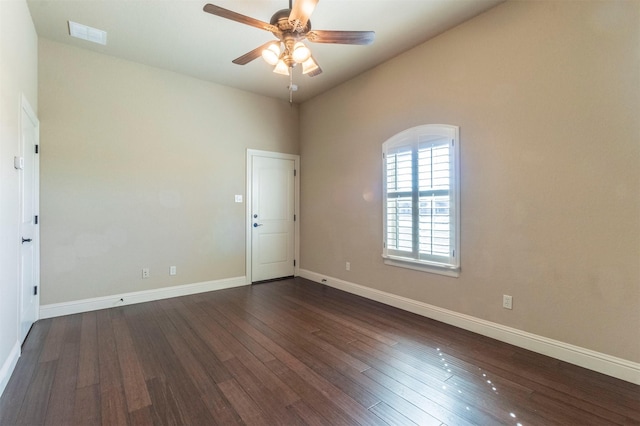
[(255, 225), (26, 240)]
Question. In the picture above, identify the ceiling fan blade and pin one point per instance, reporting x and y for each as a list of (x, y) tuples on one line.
[(315, 72), (341, 37), (300, 13), (250, 56), (234, 16)]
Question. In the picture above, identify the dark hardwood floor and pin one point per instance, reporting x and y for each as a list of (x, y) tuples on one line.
[(293, 352)]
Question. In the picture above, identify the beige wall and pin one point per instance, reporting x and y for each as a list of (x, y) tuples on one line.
[(139, 168), (18, 76), (547, 97)]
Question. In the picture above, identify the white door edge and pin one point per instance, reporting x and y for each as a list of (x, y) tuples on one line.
[(25, 107), (248, 211)]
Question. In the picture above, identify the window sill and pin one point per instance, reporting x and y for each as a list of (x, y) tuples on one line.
[(431, 268)]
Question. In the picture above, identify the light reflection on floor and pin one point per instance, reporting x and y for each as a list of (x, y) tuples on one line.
[(446, 367)]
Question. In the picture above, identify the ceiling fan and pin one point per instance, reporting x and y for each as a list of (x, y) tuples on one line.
[(291, 26)]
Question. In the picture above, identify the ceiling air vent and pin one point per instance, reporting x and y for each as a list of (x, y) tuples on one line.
[(87, 33)]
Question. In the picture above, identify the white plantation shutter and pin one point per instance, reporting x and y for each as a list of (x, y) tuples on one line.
[(421, 198), (400, 199)]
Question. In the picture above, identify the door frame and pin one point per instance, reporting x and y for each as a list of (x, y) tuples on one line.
[(26, 111), (249, 198)]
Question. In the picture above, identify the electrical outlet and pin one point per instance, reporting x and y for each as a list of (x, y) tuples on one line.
[(145, 272), (172, 270), (507, 301), (347, 266)]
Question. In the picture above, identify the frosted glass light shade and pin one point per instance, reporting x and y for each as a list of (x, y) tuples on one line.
[(300, 52), (309, 65), (271, 54), (281, 68)]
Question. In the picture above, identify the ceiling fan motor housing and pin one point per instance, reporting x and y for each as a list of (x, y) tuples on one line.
[(281, 20)]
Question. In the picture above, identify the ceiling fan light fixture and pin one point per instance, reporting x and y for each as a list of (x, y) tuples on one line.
[(271, 54), (309, 65), (281, 68), (301, 53)]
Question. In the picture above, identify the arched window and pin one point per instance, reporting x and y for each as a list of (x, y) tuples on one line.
[(421, 199)]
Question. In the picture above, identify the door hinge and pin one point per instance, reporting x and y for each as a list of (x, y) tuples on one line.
[(295, 172), (35, 290), (36, 148), (35, 219), (294, 217), (294, 262)]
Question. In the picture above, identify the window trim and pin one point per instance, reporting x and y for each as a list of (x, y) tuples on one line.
[(411, 138)]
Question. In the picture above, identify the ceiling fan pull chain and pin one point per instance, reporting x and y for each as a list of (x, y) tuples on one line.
[(291, 85)]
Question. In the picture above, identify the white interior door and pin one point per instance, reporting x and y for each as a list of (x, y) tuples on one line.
[(272, 217), (29, 191)]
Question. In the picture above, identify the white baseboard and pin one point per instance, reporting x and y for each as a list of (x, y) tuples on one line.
[(93, 304), (592, 360), (8, 366)]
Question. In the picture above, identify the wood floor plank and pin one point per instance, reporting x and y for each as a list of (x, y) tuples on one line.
[(209, 331), (133, 380), (250, 360), (248, 410), (288, 324), (203, 369), (61, 407), (193, 408), (88, 363), (38, 332), (308, 415), (382, 393), (269, 402), (553, 389), (352, 324), (36, 400), (415, 389), (315, 359), (298, 367), (353, 390), (391, 416), (165, 407), (312, 396), (257, 350), (54, 341), (152, 347), (141, 417), (17, 387), (109, 366), (86, 407), (293, 352), (113, 408), (341, 399)]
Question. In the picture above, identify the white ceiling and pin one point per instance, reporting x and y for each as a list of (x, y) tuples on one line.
[(177, 35)]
